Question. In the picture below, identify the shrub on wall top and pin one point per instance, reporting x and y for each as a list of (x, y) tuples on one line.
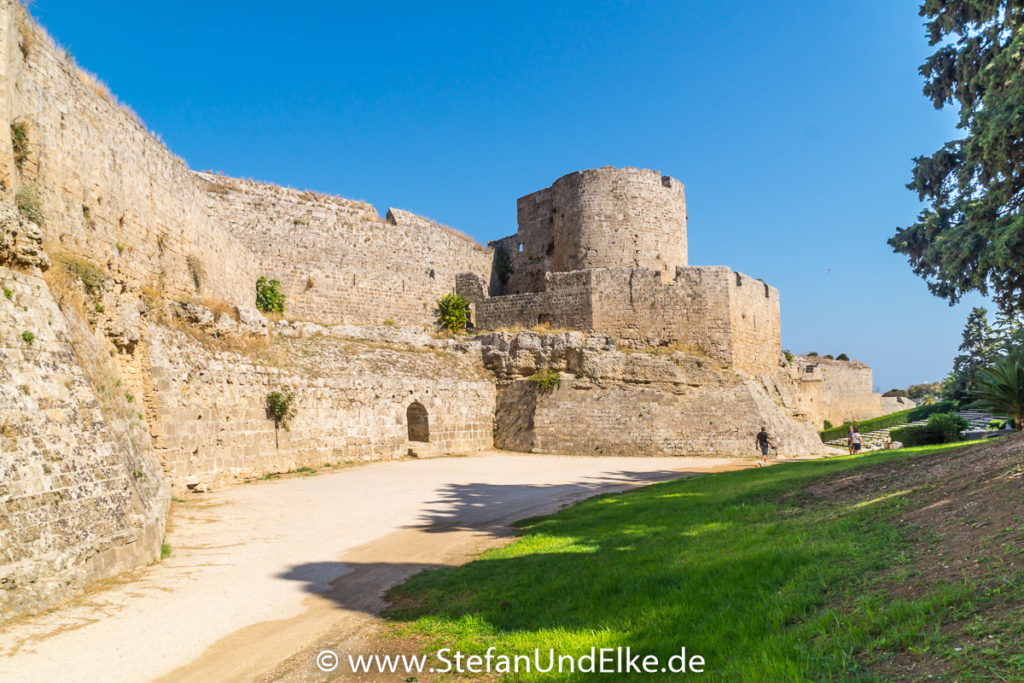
[(269, 298)]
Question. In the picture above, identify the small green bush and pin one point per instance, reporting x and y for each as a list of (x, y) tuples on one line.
[(948, 425), (813, 354), (996, 424), (452, 312), (269, 298), (19, 142), (28, 203), (941, 428), (165, 551), (921, 435), (788, 354), (828, 356), (100, 308), (546, 380), (280, 408), (8, 294), (28, 337), (842, 356), (828, 425)]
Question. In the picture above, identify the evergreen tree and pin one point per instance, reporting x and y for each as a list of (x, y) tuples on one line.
[(981, 346), (971, 238)]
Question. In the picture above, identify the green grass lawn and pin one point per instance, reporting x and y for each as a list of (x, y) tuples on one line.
[(733, 566)]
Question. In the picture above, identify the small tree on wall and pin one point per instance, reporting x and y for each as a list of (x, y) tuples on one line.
[(269, 298), (452, 312), (280, 410)]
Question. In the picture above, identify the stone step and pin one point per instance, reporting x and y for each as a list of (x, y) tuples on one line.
[(423, 449)]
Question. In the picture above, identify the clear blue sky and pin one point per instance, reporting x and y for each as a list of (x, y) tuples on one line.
[(792, 125)]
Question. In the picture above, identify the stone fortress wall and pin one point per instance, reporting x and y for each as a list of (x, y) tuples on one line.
[(354, 396), (111, 193), (337, 260), (836, 391), (630, 402)]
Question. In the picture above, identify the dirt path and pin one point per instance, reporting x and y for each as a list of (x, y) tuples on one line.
[(259, 574)]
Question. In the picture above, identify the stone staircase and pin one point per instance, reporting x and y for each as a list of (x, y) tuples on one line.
[(976, 421)]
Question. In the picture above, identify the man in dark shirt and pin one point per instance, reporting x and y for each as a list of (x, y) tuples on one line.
[(763, 443)]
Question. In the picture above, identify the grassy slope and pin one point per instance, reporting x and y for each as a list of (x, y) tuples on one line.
[(752, 569)]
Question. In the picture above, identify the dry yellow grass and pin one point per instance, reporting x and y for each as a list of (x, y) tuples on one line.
[(26, 29)]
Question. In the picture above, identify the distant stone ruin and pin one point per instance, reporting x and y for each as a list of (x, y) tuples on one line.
[(134, 365)]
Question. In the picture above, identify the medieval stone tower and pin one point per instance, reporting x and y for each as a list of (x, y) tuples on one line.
[(599, 218)]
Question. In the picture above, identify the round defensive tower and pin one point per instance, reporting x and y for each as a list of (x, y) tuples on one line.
[(618, 217)]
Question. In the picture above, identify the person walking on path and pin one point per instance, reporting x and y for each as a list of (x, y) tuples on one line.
[(849, 439), (855, 442), (763, 443)]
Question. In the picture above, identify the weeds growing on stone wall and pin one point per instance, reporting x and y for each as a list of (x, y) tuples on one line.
[(28, 337), (502, 264), (269, 298), (218, 188), (196, 270), (26, 30), (452, 312), (19, 142), (788, 354), (8, 294), (546, 380), (29, 205), (92, 277)]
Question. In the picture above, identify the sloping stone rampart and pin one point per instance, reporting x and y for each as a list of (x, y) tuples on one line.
[(82, 496)]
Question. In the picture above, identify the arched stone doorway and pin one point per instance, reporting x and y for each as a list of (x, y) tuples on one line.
[(419, 425)]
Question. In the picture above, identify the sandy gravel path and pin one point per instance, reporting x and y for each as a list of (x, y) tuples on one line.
[(259, 573)]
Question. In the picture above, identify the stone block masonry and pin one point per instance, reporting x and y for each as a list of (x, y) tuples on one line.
[(81, 498), (834, 390), (726, 316), (211, 425), (631, 403), (337, 260)]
